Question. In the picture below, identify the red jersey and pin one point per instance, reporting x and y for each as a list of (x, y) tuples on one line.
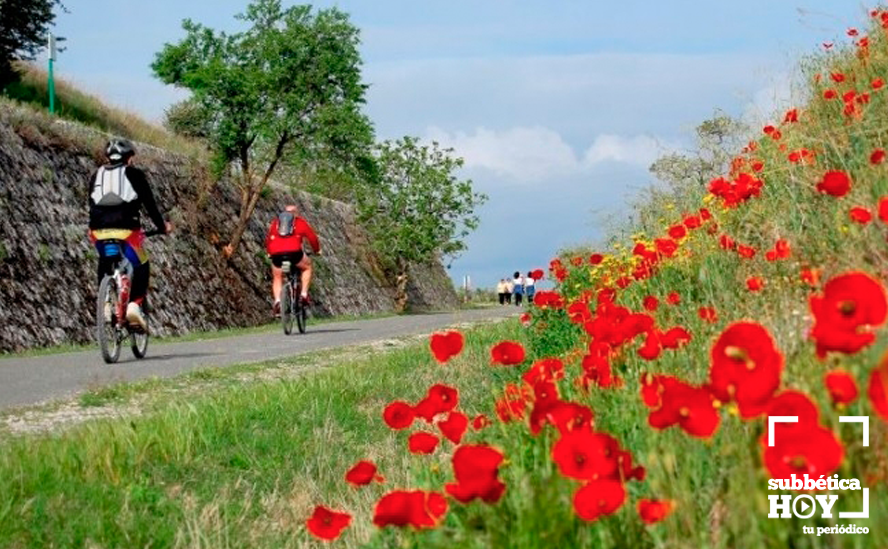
[(276, 244)]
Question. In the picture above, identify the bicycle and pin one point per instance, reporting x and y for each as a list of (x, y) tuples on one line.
[(113, 297), (292, 307)]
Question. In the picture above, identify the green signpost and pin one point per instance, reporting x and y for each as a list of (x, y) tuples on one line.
[(52, 55)]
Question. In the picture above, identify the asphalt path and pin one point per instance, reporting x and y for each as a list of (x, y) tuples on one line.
[(37, 379)]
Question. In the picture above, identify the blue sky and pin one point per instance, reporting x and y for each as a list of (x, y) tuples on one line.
[(558, 107)]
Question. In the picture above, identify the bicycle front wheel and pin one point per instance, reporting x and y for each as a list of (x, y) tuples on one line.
[(139, 340), (287, 308), (106, 320)]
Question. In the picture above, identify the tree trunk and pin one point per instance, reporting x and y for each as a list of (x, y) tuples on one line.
[(243, 220), (401, 291)]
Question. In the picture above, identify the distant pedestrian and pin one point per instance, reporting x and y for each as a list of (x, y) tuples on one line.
[(529, 287), (502, 290), (509, 287), (518, 288)]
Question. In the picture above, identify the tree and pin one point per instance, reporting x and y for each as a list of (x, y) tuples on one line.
[(717, 140), (289, 87), (24, 25), (417, 210)]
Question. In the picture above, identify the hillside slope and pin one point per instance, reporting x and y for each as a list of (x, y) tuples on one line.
[(47, 277)]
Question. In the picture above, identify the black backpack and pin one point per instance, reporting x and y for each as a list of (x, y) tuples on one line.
[(285, 223)]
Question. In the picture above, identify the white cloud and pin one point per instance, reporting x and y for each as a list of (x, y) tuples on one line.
[(530, 154)]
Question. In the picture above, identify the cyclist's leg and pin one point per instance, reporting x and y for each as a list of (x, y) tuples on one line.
[(304, 265), (138, 258)]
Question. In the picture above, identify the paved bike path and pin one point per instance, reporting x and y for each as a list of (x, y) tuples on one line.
[(25, 381)]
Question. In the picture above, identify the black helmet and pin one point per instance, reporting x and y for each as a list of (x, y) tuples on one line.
[(119, 149)]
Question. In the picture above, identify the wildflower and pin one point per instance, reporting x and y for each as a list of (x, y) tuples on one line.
[(745, 366), (675, 402), (476, 468), (651, 303), (326, 524), (422, 443), (507, 353), (586, 455), (791, 116), (861, 215), (837, 77), (877, 83), (815, 452), (480, 422), (877, 156), (849, 305), (398, 415), (708, 314), (446, 345), (883, 209), (675, 338), (878, 389), (363, 473), (746, 252), (440, 399), (677, 232), (652, 511), (810, 276), (454, 427), (835, 183), (830, 94), (673, 298), (755, 283), (841, 386), (417, 508), (598, 498)]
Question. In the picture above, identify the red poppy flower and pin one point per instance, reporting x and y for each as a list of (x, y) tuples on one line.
[(835, 183), (792, 403), (830, 94), (877, 156), (782, 250), (564, 416), (755, 283), (792, 115), (596, 259), (507, 353), (454, 427), (801, 156), (476, 469), (398, 415), (841, 386), (746, 252), (537, 274), (815, 452), (677, 232), (859, 214), (363, 473), (837, 77), (852, 32), (850, 304), (878, 84), (651, 303), (675, 338), (545, 370), (440, 399), (678, 403), (446, 345), (878, 389), (692, 222), (422, 443), (513, 404), (745, 367), (708, 314), (480, 422), (586, 455), (652, 347), (653, 511), (883, 209), (547, 299), (599, 498), (525, 319), (810, 276), (673, 298), (416, 508), (327, 524)]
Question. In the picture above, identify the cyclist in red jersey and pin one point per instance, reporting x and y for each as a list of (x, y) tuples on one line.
[(284, 243)]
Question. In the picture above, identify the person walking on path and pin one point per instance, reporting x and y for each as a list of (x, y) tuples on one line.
[(529, 287), (518, 287), (501, 291), (509, 291)]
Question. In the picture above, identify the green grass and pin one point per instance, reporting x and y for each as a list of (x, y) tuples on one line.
[(76, 105), (233, 468)]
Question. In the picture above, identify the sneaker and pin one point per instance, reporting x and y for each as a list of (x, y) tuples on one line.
[(134, 316), (276, 309)]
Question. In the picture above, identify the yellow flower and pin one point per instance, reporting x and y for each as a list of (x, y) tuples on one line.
[(708, 198)]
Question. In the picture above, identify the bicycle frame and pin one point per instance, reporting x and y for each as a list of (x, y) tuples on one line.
[(122, 274)]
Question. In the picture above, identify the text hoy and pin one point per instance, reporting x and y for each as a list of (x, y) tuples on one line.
[(805, 506)]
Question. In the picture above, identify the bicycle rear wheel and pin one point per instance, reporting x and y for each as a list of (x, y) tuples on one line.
[(300, 315), (106, 320), (287, 308), (139, 340)]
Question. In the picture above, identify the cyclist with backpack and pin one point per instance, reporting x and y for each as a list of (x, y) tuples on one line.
[(117, 192), (284, 243)]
